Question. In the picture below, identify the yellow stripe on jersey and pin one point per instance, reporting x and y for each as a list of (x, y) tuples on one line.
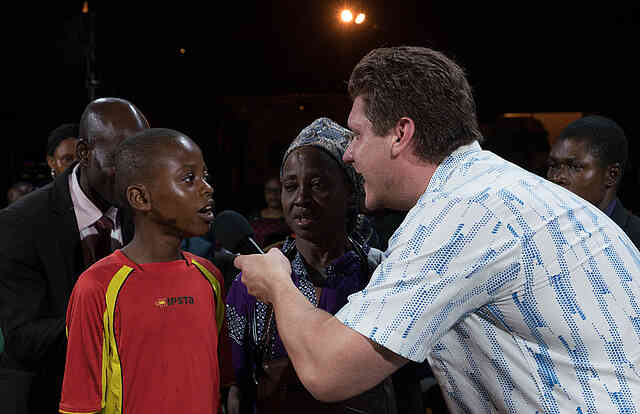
[(111, 368), (217, 291), (77, 412)]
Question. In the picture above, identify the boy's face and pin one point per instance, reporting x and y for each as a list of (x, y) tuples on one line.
[(180, 197)]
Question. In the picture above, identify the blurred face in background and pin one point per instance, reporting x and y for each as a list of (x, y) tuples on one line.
[(63, 156), (272, 191), (19, 190)]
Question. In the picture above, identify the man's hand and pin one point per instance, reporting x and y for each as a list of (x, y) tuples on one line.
[(265, 274)]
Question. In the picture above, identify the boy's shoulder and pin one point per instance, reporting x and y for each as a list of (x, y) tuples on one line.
[(206, 263), (104, 270)]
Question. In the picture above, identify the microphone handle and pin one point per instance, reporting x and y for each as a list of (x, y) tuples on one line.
[(255, 245)]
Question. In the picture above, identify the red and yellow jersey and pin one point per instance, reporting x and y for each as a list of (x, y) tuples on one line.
[(144, 338)]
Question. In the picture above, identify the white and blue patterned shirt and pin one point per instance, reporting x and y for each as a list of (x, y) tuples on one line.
[(523, 297)]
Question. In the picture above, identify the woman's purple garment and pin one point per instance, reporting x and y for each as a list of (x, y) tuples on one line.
[(345, 275)]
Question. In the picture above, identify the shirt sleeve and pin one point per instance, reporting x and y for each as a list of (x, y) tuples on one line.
[(85, 369), (447, 259), (237, 318)]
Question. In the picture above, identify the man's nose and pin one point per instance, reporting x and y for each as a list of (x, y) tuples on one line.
[(347, 157), (557, 175)]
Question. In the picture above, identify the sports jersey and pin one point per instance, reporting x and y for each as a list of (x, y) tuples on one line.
[(522, 296), (144, 338)]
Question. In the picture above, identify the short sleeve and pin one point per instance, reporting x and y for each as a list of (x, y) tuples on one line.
[(85, 368)]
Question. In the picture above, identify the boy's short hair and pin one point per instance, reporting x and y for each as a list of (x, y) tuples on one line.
[(135, 155)]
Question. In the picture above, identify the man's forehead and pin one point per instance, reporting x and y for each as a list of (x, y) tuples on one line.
[(570, 149), (356, 116)]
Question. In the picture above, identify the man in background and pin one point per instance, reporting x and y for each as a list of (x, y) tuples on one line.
[(589, 158), (48, 239)]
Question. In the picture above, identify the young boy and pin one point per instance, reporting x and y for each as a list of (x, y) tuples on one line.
[(143, 323)]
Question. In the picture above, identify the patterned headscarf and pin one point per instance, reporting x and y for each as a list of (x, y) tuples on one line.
[(330, 137)]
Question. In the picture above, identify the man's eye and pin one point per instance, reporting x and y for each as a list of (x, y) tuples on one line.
[(188, 178)]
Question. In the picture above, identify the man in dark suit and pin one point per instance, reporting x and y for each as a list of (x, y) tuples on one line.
[(588, 158), (48, 239)]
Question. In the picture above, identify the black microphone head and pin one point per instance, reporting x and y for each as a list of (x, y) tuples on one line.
[(232, 230)]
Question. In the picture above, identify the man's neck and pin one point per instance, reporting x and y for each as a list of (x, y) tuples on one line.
[(412, 183), (92, 195), (608, 198)]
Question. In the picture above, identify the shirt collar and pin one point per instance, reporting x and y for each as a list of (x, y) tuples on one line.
[(86, 212), (449, 164)]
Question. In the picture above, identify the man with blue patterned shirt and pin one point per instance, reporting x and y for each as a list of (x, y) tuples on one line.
[(522, 296)]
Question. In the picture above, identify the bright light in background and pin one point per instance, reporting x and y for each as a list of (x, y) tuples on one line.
[(360, 18), (346, 16)]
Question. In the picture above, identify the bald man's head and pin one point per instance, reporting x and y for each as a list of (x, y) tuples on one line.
[(110, 118), (104, 124)]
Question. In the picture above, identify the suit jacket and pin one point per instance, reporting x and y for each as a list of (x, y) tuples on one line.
[(40, 261), (629, 223)]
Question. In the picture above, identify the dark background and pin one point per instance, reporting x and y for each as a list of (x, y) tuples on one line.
[(254, 73)]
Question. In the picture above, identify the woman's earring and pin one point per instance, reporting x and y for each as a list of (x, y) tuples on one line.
[(53, 173)]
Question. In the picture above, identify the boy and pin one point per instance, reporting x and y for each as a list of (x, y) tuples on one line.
[(143, 323)]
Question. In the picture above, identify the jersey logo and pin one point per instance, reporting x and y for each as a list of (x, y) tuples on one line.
[(174, 300)]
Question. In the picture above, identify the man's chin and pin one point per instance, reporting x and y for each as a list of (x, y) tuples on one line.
[(372, 205)]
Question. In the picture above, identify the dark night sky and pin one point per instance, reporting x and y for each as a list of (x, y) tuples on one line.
[(524, 57), (528, 57)]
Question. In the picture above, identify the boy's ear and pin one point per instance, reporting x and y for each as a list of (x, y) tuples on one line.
[(138, 197)]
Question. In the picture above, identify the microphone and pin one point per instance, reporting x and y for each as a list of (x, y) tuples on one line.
[(234, 233)]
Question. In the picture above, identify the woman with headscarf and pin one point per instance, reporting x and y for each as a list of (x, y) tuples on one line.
[(329, 260)]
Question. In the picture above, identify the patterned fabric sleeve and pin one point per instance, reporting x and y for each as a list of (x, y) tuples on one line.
[(239, 307), (431, 277)]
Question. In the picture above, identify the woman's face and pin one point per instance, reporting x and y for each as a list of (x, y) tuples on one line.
[(315, 195), (63, 156)]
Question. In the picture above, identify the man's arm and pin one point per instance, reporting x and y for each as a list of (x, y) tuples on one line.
[(29, 338), (333, 361)]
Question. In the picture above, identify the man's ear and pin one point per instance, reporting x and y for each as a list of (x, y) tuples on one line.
[(138, 197), (614, 174), (403, 133), (82, 151)]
